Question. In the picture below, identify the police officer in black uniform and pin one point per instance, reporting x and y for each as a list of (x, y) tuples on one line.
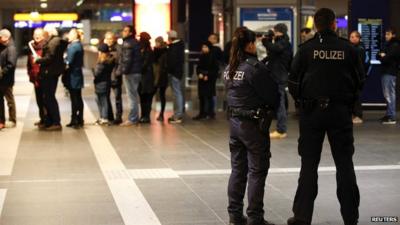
[(325, 77), (251, 96)]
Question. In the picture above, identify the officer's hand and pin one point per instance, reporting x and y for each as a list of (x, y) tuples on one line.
[(205, 78), (201, 76), (382, 54)]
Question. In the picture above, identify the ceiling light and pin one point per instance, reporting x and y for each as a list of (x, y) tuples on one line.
[(43, 5), (79, 3), (43, 0)]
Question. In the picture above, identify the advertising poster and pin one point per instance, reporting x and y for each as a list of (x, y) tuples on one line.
[(264, 19)]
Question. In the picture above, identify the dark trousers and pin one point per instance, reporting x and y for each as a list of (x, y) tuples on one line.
[(250, 153), (2, 107), (40, 103), (357, 109), (7, 93), (76, 105), (163, 99), (49, 87), (146, 100), (118, 103), (206, 106), (336, 122)]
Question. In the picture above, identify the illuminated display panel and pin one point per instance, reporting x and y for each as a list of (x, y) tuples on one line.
[(153, 17)]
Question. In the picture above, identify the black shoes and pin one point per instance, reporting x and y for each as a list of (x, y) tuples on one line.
[(294, 221), (235, 221), (117, 121), (160, 118), (144, 120), (199, 117)]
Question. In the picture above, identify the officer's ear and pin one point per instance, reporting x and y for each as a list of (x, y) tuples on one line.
[(251, 48), (334, 26)]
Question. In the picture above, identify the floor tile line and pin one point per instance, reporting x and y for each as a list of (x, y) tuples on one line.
[(132, 205), (3, 193), (219, 152)]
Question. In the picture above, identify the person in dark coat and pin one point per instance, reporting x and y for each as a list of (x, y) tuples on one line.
[(355, 40), (51, 67), (146, 87), (75, 78), (8, 63), (34, 70), (279, 57), (116, 79), (207, 73), (130, 66), (390, 59), (175, 61), (102, 82), (161, 73)]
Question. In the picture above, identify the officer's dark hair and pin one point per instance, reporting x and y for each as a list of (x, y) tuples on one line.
[(391, 30), (241, 38), (324, 18), (131, 29)]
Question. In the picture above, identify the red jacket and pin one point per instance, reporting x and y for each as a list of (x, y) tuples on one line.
[(34, 68)]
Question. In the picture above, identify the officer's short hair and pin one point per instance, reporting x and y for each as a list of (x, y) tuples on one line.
[(324, 18)]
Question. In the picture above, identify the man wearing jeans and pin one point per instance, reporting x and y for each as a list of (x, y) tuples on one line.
[(278, 61), (175, 60), (130, 66), (390, 58)]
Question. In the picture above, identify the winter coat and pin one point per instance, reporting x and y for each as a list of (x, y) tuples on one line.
[(208, 65), (391, 61), (34, 68), (279, 57), (147, 82), (176, 58), (160, 67), (8, 63), (52, 60), (75, 63), (131, 61)]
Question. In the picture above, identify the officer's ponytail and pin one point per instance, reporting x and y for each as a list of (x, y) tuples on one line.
[(241, 38)]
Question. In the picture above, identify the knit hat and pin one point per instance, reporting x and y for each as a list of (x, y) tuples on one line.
[(281, 27)]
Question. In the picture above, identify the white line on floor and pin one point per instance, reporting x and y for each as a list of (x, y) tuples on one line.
[(167, 173), (3, 193), (132, 205), (205, 143)]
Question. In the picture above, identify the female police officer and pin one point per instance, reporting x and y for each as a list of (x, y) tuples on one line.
[(251, 94)]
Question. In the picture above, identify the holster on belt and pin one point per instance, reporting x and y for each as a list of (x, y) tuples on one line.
[(262, 115)]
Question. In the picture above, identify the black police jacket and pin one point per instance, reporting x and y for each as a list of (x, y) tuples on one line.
[(252, 86), (280, 55), (391, 61), (130, 61), (326, 66)]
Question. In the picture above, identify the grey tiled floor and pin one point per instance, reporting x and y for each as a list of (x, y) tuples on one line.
[(57, 180)]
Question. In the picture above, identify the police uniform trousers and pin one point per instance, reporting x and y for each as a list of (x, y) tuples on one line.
[(336, 122), (250, 154)]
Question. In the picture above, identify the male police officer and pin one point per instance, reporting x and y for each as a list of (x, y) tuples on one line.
[(325, 76)]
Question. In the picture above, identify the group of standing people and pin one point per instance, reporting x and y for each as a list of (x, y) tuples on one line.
[(144, 71)]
